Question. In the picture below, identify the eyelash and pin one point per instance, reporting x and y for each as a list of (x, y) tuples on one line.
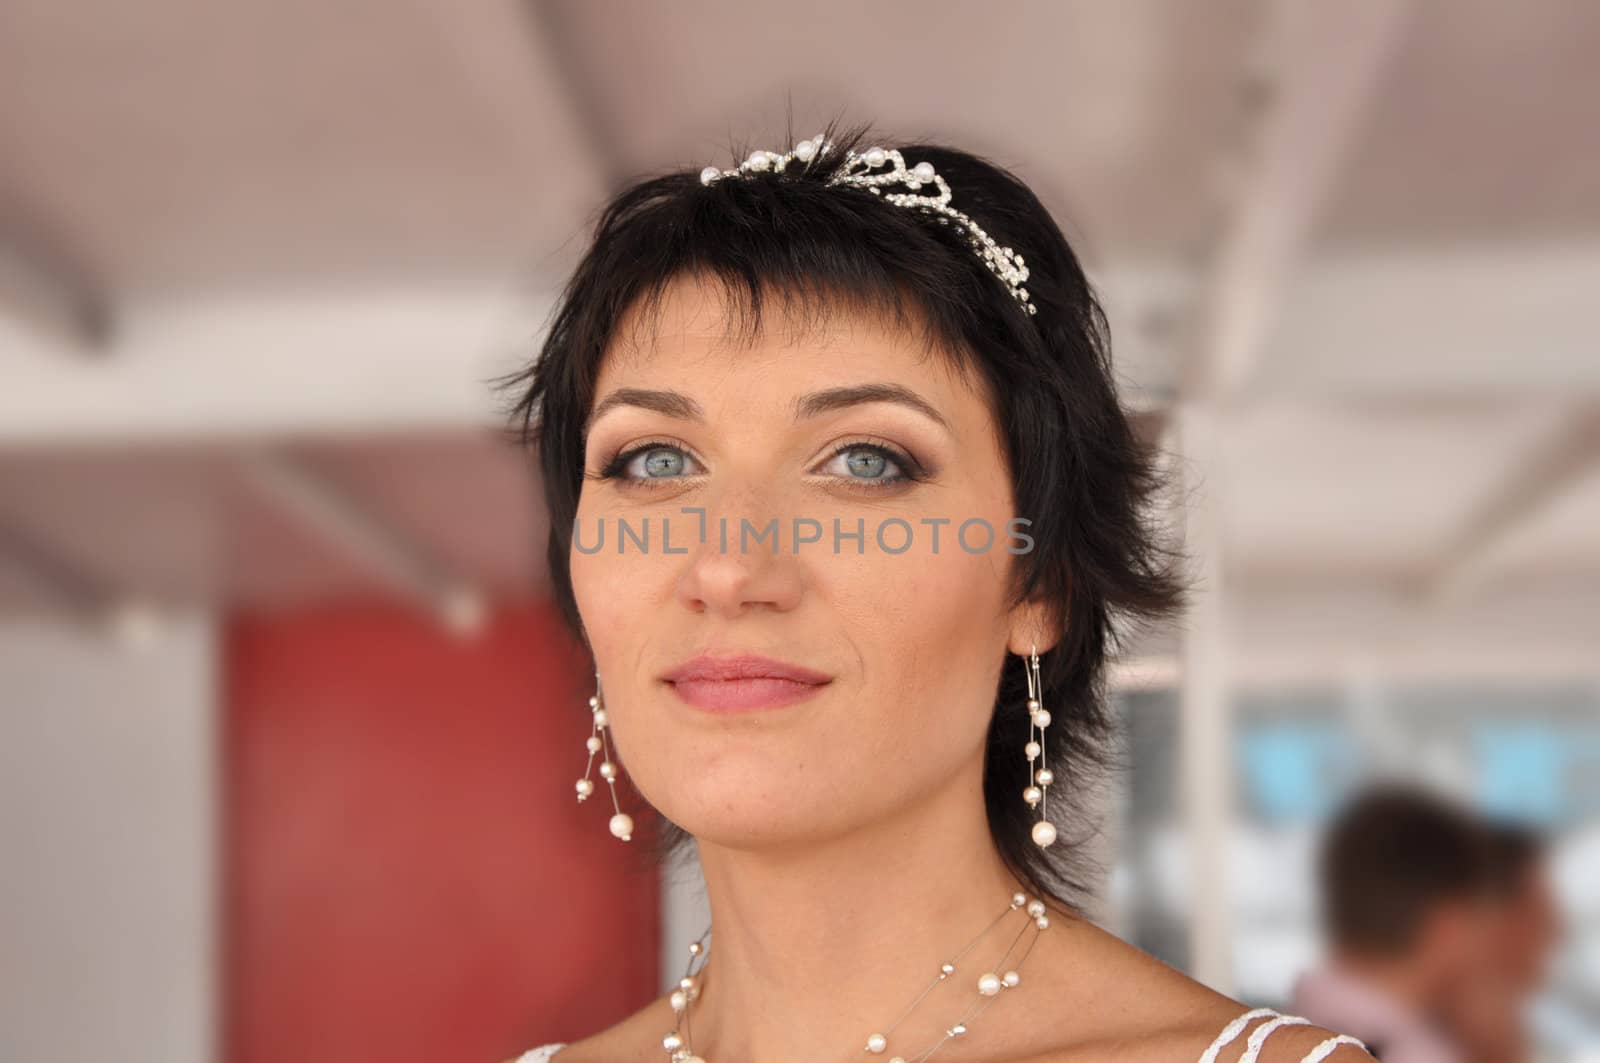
[(910, 470)]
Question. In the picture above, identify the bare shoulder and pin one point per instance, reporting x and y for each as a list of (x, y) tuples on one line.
[(1280, 1038), (1193, 1037), (1146, 1010), (635, 1039)]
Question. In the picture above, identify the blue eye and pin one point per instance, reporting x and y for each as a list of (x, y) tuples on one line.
[(869, 462), (648, 461), (661, 461)]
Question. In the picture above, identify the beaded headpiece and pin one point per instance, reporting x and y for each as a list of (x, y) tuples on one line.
[(858, 171)]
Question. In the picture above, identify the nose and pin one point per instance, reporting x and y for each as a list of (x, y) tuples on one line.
[(736, 568)]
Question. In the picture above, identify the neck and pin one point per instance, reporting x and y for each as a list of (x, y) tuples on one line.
[(817, 945)]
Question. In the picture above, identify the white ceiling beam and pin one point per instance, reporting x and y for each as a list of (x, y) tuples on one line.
[(262, 364), (1499, 319), (1330, 666), (1313, 631), (1547, 476), (254, 365), (1324, 61)]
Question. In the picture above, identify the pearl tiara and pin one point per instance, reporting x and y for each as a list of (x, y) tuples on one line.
[(857, 171)]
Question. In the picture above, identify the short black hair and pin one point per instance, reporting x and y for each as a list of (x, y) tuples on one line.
[(1391, 856), (1079, 469)]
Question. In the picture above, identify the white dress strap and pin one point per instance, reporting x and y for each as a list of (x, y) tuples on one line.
[(1275, 1021), (541, 1054)]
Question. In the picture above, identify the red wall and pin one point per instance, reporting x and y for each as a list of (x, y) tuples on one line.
[(408, 874)]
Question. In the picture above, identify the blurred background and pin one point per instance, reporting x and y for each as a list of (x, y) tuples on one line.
[(288, 729)]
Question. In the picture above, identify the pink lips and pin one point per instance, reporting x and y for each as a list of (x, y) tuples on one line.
[(744, 683)]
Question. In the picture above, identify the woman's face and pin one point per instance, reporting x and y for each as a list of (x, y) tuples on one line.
[(910, 634)]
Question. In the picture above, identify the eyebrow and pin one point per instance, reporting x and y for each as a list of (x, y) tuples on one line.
[(812, 404), (670, 403)]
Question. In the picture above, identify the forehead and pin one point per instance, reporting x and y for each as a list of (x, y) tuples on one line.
[(697, 333)]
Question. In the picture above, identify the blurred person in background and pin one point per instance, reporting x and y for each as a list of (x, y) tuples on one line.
[(1411, 924), (1490, 1016), (1530, 917)]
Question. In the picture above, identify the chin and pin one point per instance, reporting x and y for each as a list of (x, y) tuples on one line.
[(744, 834), (742, 815)]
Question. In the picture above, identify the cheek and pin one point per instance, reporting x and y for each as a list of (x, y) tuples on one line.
[(623, 600), (621, 587), (603, 604), (929, 634)]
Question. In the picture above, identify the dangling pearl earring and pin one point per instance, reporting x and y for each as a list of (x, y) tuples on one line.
[(621, 823), (1044, 832)]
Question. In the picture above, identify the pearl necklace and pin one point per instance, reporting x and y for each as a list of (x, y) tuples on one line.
[(681, 1050)]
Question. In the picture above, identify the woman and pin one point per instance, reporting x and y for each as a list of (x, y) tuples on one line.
[(845, 507)]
